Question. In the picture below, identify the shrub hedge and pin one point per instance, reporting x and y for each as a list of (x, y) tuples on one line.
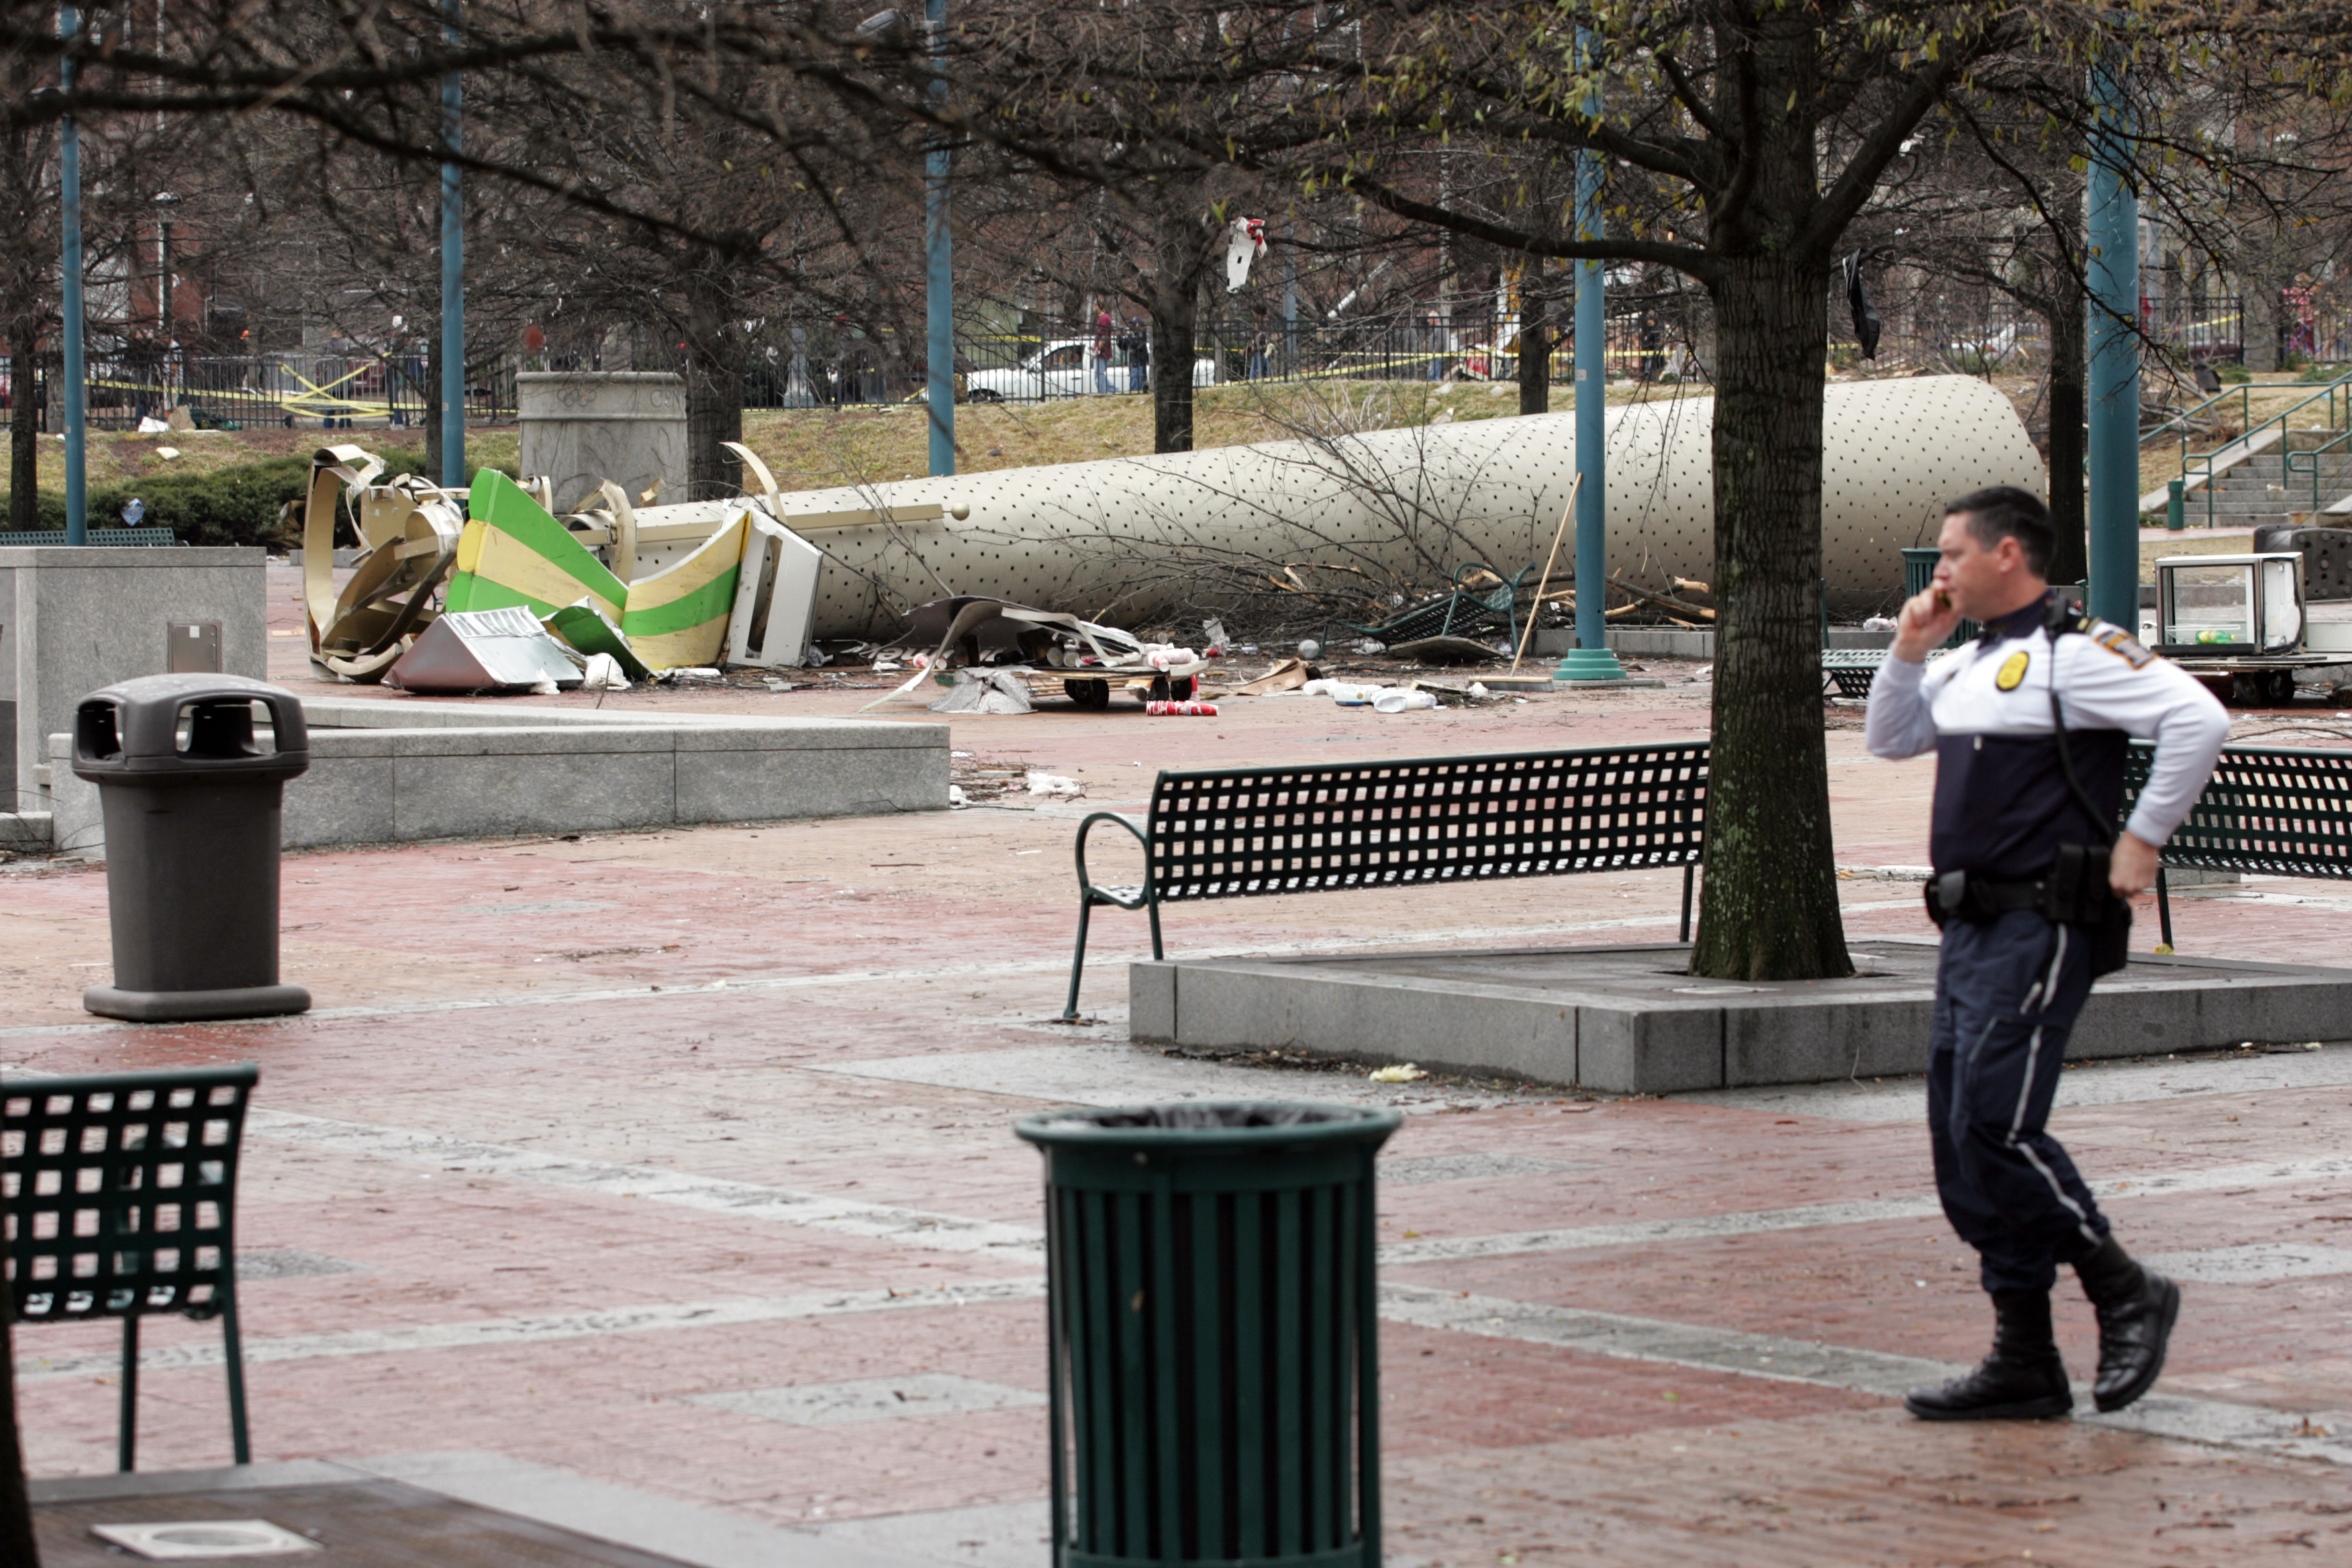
[(236, 505)]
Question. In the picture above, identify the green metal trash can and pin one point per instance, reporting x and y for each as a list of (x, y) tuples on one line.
[(1211, 1325)]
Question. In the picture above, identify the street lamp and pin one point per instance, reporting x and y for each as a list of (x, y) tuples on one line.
[(70, 327), (453, 272)]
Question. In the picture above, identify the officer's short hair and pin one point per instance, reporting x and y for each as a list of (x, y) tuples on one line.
[(2004, 512)]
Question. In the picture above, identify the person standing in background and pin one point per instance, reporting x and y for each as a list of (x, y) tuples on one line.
[(1137, 344), (1102, 353)]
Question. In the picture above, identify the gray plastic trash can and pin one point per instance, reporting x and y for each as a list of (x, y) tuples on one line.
[(191, 771)]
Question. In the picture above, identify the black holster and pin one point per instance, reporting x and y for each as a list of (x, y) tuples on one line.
[(2074, 892)]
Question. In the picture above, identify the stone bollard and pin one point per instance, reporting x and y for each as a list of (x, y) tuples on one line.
[(582, 427)]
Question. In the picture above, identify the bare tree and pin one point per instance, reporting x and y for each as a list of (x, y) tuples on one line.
[(1743, 143)]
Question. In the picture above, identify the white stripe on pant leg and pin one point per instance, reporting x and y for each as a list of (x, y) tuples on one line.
[(2033, 1053), (2025, 1093), (2057, 957), (2082, 1220)]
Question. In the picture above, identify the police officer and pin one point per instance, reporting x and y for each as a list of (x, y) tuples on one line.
[(2031, 726)]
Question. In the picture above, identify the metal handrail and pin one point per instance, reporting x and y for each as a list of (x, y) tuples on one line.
[(2312, 466), (2337, 393)]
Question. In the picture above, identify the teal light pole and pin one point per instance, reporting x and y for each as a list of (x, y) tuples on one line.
[(1590, 659), (69, 328), (2114, 234), (453, 272), (939, 286)]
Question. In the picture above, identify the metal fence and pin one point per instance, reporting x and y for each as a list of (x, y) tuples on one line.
[(1647, 339), (2314, 325), (1663, 336), (304, 390), (2211, 328)]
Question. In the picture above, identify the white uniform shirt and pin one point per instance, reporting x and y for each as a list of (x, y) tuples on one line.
[(1996, 693)]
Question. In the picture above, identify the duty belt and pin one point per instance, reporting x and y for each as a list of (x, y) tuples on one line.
[(2073, 891), (1959, 895)]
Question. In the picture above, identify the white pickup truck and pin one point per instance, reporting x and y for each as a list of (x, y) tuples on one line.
[(1060, 369)]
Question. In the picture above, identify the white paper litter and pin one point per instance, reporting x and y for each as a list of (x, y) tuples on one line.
[(1053, 785)]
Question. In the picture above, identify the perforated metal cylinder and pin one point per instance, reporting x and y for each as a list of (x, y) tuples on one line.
[(1131, 537), (1213, 1331)]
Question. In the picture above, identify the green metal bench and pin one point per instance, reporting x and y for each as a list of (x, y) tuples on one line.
[(119, 1195), (102, 536), (1238, 832), (2275, 811), (1851, 669)]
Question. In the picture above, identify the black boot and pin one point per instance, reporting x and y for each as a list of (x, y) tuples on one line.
[(2136, 1308), (2022, 1380)]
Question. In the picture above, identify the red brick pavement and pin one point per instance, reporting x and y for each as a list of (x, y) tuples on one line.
[(1499, 1450)]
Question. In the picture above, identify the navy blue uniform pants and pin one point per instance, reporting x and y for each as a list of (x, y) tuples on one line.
[(2007, 994)]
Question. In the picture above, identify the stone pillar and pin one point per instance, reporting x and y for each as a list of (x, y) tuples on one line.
[(74, 619), (2261, 325), (582, 427)]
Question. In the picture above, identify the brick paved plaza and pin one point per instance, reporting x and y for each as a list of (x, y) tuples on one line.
[(670, 1179)]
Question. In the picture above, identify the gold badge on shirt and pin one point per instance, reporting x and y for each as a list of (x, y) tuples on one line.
[(2012, 671)]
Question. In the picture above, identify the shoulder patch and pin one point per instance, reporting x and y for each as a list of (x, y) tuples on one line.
[(2013, 670), (2123, 645)]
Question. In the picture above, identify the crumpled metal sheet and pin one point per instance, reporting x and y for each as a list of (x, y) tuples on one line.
[(504, 649), (409, 530), (973, 630)]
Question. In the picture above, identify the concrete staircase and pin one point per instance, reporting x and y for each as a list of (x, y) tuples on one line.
[(2261, 490)]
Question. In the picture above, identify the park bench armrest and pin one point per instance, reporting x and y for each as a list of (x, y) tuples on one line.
[(1143, 896)]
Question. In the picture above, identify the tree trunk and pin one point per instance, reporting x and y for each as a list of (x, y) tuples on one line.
[(2070, 378), (1535, 342), (1175, 313), (715, 363), (15, 1515), (1770, 910), (24, 434)]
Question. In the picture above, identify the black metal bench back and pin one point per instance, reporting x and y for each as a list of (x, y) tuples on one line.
[(119, 1191), (2278, 811), (1246, 832)]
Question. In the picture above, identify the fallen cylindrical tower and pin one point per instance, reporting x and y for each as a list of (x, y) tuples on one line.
[(1131, 539)]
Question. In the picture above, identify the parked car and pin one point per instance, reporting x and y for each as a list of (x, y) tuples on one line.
[(1060, 369)]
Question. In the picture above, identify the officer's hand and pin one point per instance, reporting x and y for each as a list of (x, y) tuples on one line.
[(1924, 622), (2132, 868)]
